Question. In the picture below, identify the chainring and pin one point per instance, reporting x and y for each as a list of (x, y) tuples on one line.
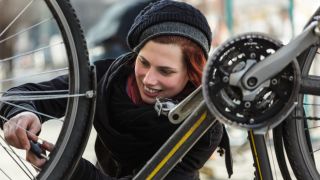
[(270, 104)]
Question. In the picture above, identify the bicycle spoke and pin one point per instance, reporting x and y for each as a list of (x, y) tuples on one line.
[(309, 128), (16, 160), (12, 151), (38, 97), (17, 17), (26, 29), (30, 52), (307, 118), (34, 92), (33, 75), (31, 110), (310, 104), (5, 174)]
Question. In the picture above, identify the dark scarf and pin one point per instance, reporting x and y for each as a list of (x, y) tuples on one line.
[(132, 133), (147, 130)]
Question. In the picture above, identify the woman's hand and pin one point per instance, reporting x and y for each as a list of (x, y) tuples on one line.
[(20, 128)]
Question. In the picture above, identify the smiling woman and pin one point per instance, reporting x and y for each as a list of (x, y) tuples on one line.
[(160, 71), (163, 68)]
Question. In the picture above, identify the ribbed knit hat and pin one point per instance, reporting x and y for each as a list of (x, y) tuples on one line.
[(166, 17)]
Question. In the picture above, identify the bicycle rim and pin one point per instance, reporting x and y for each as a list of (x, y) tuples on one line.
[(32, 30)]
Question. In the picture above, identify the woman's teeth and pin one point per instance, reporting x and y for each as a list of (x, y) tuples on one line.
[(151, 90)]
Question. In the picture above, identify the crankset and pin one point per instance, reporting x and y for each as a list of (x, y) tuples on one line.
[(261, 108)]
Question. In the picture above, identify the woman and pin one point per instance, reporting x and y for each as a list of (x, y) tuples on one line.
[(170, 42)]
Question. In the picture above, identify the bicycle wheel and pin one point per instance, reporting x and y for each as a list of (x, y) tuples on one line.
[(40, 40), (301, 129)]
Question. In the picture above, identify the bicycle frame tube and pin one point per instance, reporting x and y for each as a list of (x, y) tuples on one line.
[(180, 142), (187, 135), (190, 131), (260, 156)]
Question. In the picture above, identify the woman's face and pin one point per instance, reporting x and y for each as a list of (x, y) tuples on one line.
[(160, 71)]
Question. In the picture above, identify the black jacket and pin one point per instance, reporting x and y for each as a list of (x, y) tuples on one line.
[(113, 141)]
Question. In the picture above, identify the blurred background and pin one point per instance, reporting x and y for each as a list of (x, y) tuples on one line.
[(106, 22)]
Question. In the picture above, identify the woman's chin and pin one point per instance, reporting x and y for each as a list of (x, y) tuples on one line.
[(149, 100)]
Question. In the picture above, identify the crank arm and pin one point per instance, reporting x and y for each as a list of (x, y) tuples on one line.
[(182, 110), (274, 63)]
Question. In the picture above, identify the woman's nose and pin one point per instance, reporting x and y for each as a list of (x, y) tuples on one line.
[(150, 77)]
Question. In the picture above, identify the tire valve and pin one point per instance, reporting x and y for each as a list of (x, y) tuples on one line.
[(36, 149)]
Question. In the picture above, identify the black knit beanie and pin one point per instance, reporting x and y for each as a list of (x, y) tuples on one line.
[(167, 17)]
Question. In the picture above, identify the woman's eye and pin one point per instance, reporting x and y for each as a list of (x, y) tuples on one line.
[(165, 72), (144, 63)]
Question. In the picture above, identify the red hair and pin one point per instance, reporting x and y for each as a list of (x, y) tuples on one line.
[(193, 56)]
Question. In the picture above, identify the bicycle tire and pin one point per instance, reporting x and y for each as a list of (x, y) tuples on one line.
[(295, 131), (77, 125), (69, 149), (296, 145)]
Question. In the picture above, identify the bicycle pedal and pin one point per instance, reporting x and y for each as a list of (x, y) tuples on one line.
[(163, 106)]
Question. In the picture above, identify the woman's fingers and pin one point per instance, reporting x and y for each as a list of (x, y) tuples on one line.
[(33, 159), (19, 127), (21, 130), (47, 146), (14, 135)]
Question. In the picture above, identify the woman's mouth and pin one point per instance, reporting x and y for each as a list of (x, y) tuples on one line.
[(150, 91)]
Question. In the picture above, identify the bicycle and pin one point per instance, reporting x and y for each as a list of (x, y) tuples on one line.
[(77, 121)]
